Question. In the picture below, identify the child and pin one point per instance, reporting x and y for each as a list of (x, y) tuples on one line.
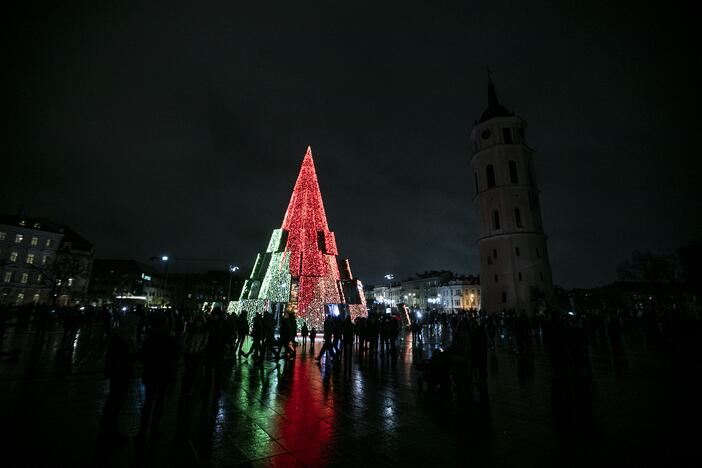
[(304, 332)]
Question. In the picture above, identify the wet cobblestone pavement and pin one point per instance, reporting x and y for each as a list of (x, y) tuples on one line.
[(637, 408)]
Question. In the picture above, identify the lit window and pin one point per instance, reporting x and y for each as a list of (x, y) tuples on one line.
[(8, 276), (25, 278), (23, 223), (2, 236), (58, 282), (37, 225), (30, 259), (35, 298), (13, 257), (70, 282), (18, 238), (48, 242), (20, 299), (39, 278), (35, 241), (44, 259)]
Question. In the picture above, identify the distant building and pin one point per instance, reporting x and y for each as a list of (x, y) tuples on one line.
[(462, 293), (42, 262), (637, 297), (369, 292), (440, 290), (514, 265), (115, 281), (192, 291)]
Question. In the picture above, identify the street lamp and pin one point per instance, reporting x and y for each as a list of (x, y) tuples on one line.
[(164, 259), (232, 269), (389, 277)]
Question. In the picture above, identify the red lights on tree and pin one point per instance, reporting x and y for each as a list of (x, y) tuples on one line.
[(308, 249)]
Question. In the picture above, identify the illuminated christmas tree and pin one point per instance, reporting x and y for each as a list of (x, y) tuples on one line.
[(299, 272)]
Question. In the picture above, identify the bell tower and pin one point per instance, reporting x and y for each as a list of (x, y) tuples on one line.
[(514, 265)]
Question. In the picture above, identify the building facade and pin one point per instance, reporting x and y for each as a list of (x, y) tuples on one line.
[(442, 291), (514, 263), (461, 293), (42, 262), (195, 291), (115, 281)]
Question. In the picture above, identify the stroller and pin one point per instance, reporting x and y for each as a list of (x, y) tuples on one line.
[(446, 369), (435, 372)]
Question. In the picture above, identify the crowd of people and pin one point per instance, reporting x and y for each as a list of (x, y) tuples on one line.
[(160, 339)]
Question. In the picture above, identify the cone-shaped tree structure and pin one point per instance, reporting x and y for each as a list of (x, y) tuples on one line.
[(299, 271)]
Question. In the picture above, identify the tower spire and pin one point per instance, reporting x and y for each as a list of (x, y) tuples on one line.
[(494, 108), (492, 94)]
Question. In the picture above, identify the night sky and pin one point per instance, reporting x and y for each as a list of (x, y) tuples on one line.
[(180, 128)]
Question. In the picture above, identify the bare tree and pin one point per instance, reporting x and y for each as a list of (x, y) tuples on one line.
[(647, 267), (64, 275)]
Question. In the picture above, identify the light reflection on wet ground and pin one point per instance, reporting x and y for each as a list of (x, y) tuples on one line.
[(368, 414)]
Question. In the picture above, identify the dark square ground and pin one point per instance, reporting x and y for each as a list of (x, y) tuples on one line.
[(635, 408)]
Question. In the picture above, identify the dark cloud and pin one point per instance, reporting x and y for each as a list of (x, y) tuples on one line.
[(180, 127)]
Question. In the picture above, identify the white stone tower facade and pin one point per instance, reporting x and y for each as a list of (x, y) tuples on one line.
[(514, 265)]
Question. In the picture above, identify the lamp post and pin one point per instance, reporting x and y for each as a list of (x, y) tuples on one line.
[(389, 277), (232, 269), (164, 259)]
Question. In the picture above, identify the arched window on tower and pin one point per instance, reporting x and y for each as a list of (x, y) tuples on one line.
[(513, 176), (517, 217), (476, 182), (496, 219), (490, 175), (507, 135)]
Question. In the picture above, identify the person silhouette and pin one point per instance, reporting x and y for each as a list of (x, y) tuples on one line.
[(215, 348), (313, 335), (304, 332), (119, 360), (193, 353), (158, 355)]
